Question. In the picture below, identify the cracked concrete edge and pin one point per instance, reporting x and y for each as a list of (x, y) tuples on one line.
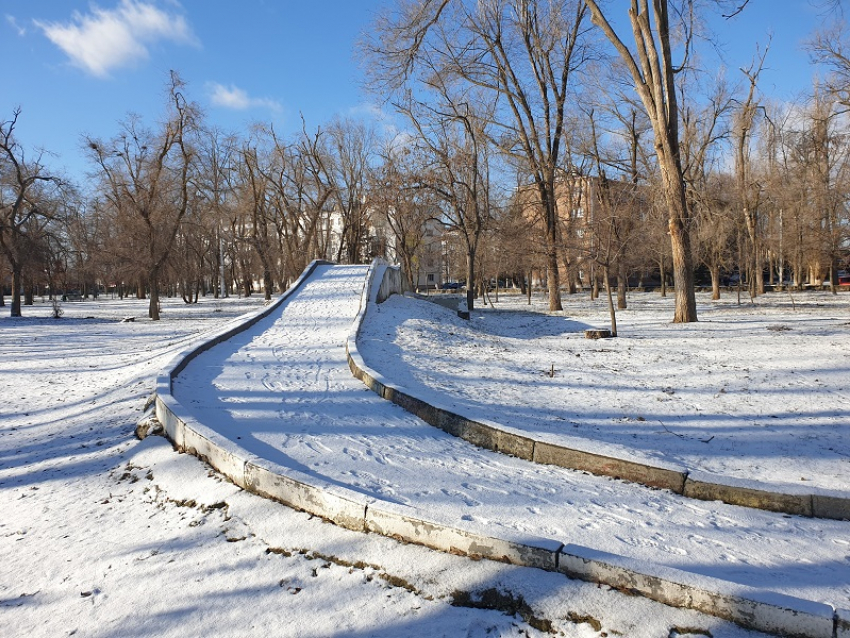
[(499, 438), (408, 524), (747, 606), (347, 508)]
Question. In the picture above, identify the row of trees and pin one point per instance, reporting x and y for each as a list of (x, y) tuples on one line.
[(186, 208), (538, 136), (736, 183)]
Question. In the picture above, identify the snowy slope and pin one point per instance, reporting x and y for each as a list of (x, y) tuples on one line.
[(749, 392), (282, 390), (105, 536)]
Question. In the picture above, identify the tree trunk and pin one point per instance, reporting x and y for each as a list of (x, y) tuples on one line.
[(683, 272), (680, 243), (29, 293), (268, 284), (553, 278), (16, 290), (153, 284), (715, 282), (611, 310), (756, 262), (470, 280), (622, 285), (594, 284)]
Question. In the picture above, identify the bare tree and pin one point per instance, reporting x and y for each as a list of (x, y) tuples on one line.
[(831, 47), (145, 176), (352, 150), (24, 204), (521, 53), (453, 141), (217, 161), (704, 131), (650, 64), (260, 212), (398, 202), (716, 226), (300, 194), (746, 187)]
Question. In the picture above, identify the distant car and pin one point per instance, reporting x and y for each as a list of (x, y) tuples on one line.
[(450, 285), (843, 278)]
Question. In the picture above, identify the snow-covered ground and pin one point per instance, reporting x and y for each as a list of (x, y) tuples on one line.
[(102, 535), (757, 391), (282, 390)]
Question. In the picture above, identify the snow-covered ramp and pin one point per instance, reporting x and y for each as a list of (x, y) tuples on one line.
[(275, 407)]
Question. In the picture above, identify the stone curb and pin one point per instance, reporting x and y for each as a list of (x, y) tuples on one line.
[(747, 606), (353, 510), (679, 479)]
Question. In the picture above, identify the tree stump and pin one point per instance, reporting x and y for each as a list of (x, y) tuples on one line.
[(597, 334)]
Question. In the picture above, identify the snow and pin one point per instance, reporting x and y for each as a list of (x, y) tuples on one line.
[(103, 535), (755, 393), (283, 392)]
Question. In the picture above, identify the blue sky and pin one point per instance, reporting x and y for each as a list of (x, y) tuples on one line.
[(266, 60), (77, 67)]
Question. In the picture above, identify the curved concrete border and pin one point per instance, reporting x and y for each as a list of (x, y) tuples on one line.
[(749, 607), (679, 479)]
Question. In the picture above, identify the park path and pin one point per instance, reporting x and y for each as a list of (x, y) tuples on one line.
[(282, 390)]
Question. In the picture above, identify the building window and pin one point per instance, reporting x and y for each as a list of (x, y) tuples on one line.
[(430, 278)]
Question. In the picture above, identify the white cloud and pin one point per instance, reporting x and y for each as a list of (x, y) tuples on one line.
[(232, 97), (368, 110), (14, 24), (107, 39)]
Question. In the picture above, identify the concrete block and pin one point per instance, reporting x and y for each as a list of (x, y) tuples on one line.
[(749, 607), (834, 507), (308, 494), (707, 487), (516, 445), (493, 437), (407, 524), (412, 404), (373, 383), (663, 478), (171, 424), (450, 423), (481, 435), (221, 453)]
